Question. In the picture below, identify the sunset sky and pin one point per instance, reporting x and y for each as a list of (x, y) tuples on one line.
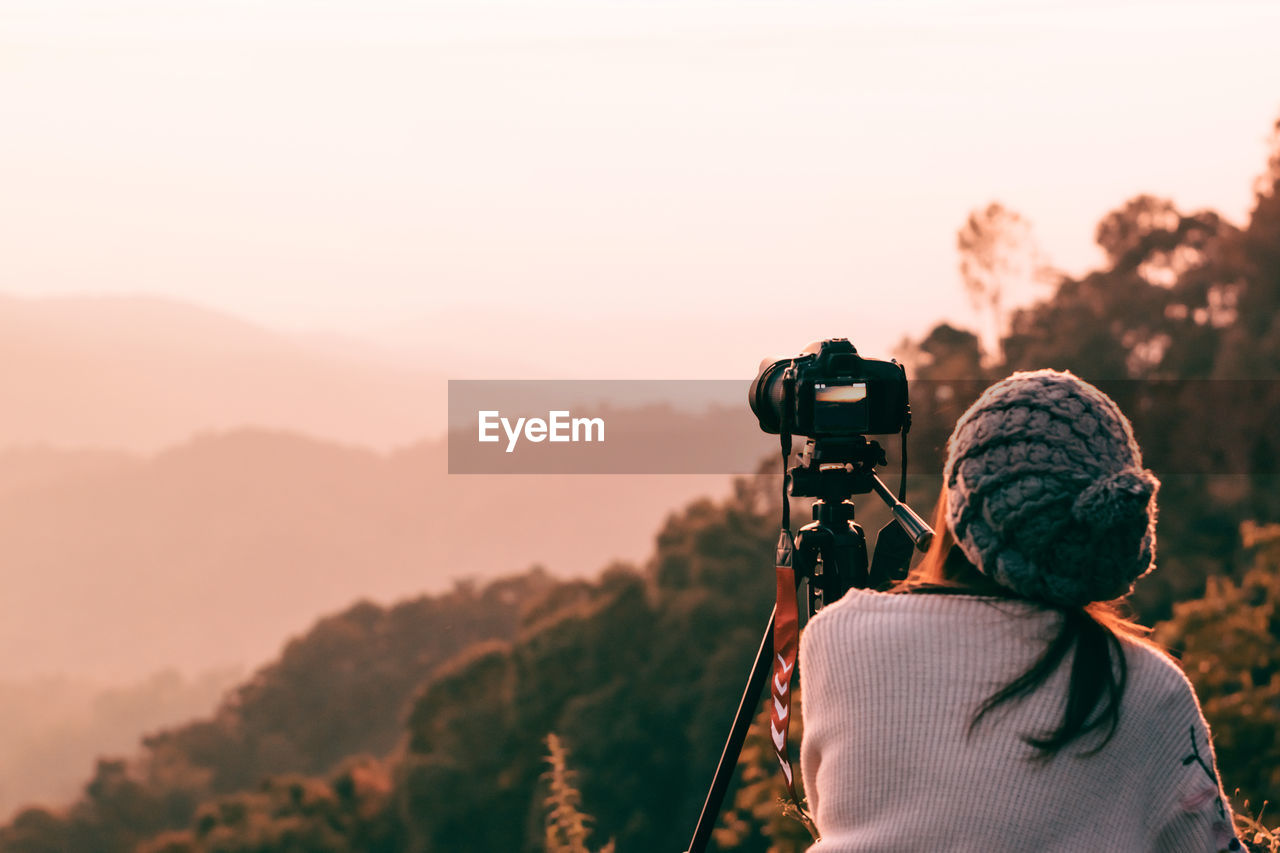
[(604, 188)]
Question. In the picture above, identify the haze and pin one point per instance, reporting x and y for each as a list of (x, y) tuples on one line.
[(560, 188), (243, 244)]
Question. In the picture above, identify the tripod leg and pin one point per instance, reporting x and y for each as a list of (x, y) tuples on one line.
[(733, 746)]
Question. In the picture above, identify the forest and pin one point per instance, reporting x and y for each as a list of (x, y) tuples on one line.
[(495, 716)]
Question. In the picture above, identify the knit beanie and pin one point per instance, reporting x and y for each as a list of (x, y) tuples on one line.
[(1046, 493)]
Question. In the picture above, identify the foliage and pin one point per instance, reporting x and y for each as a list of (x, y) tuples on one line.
[(1263, 839), (339, 690), (644, 675), (1230, 647), (296, 814), (762, 816), (641, 668), (349, 678), (997, 253), (566, 824), (120, 807)]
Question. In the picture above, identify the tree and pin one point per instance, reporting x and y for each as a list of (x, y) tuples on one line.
[(997, 255), (1230, 647), (642, 675)]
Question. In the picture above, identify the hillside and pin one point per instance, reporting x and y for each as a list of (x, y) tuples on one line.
[(421, 726), (52, 728), (351, 676), (213, 552), (339, 697)]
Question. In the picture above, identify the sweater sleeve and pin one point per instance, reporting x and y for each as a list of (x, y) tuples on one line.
[(1196, 815)]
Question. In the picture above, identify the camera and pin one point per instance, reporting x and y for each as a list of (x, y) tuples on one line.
[(836, 398), (836, 393)]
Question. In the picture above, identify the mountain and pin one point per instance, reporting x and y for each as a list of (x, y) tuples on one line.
[(214, 551), (639, 669), (141, 373), (54, 727)]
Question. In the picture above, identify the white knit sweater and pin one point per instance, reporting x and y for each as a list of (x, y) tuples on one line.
[(890, 683)]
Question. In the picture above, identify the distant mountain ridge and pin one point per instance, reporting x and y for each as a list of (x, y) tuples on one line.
[(140, 373), (214, 551)]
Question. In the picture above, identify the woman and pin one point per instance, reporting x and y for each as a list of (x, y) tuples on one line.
[(994, 702)]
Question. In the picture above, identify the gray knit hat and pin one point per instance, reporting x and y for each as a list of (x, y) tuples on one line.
[(1046, 493)]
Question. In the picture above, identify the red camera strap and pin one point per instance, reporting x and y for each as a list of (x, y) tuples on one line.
[(786, 618), (786, 643)]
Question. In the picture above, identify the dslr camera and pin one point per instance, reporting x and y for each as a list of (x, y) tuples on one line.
[(835, 393)]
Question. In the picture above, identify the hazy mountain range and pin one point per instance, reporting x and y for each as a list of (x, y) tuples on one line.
[(181, 492), (214, 551)]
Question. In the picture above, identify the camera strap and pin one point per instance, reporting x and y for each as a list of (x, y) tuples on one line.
[(786, 644), (786, 621)]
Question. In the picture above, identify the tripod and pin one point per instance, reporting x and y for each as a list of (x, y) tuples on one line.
[(831, 558)]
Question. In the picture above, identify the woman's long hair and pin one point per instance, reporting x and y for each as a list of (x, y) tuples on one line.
[(1099, 671)]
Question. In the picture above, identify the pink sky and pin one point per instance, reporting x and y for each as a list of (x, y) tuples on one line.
[(638, 181)]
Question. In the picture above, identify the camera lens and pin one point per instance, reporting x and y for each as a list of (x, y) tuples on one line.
[(767, 394)]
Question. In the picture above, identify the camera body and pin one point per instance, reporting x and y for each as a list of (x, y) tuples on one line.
[(837, 393)]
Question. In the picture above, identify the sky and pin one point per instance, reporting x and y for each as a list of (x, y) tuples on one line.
[(561, 188)]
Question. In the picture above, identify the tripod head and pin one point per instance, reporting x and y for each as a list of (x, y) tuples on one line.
[(834, 470)]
